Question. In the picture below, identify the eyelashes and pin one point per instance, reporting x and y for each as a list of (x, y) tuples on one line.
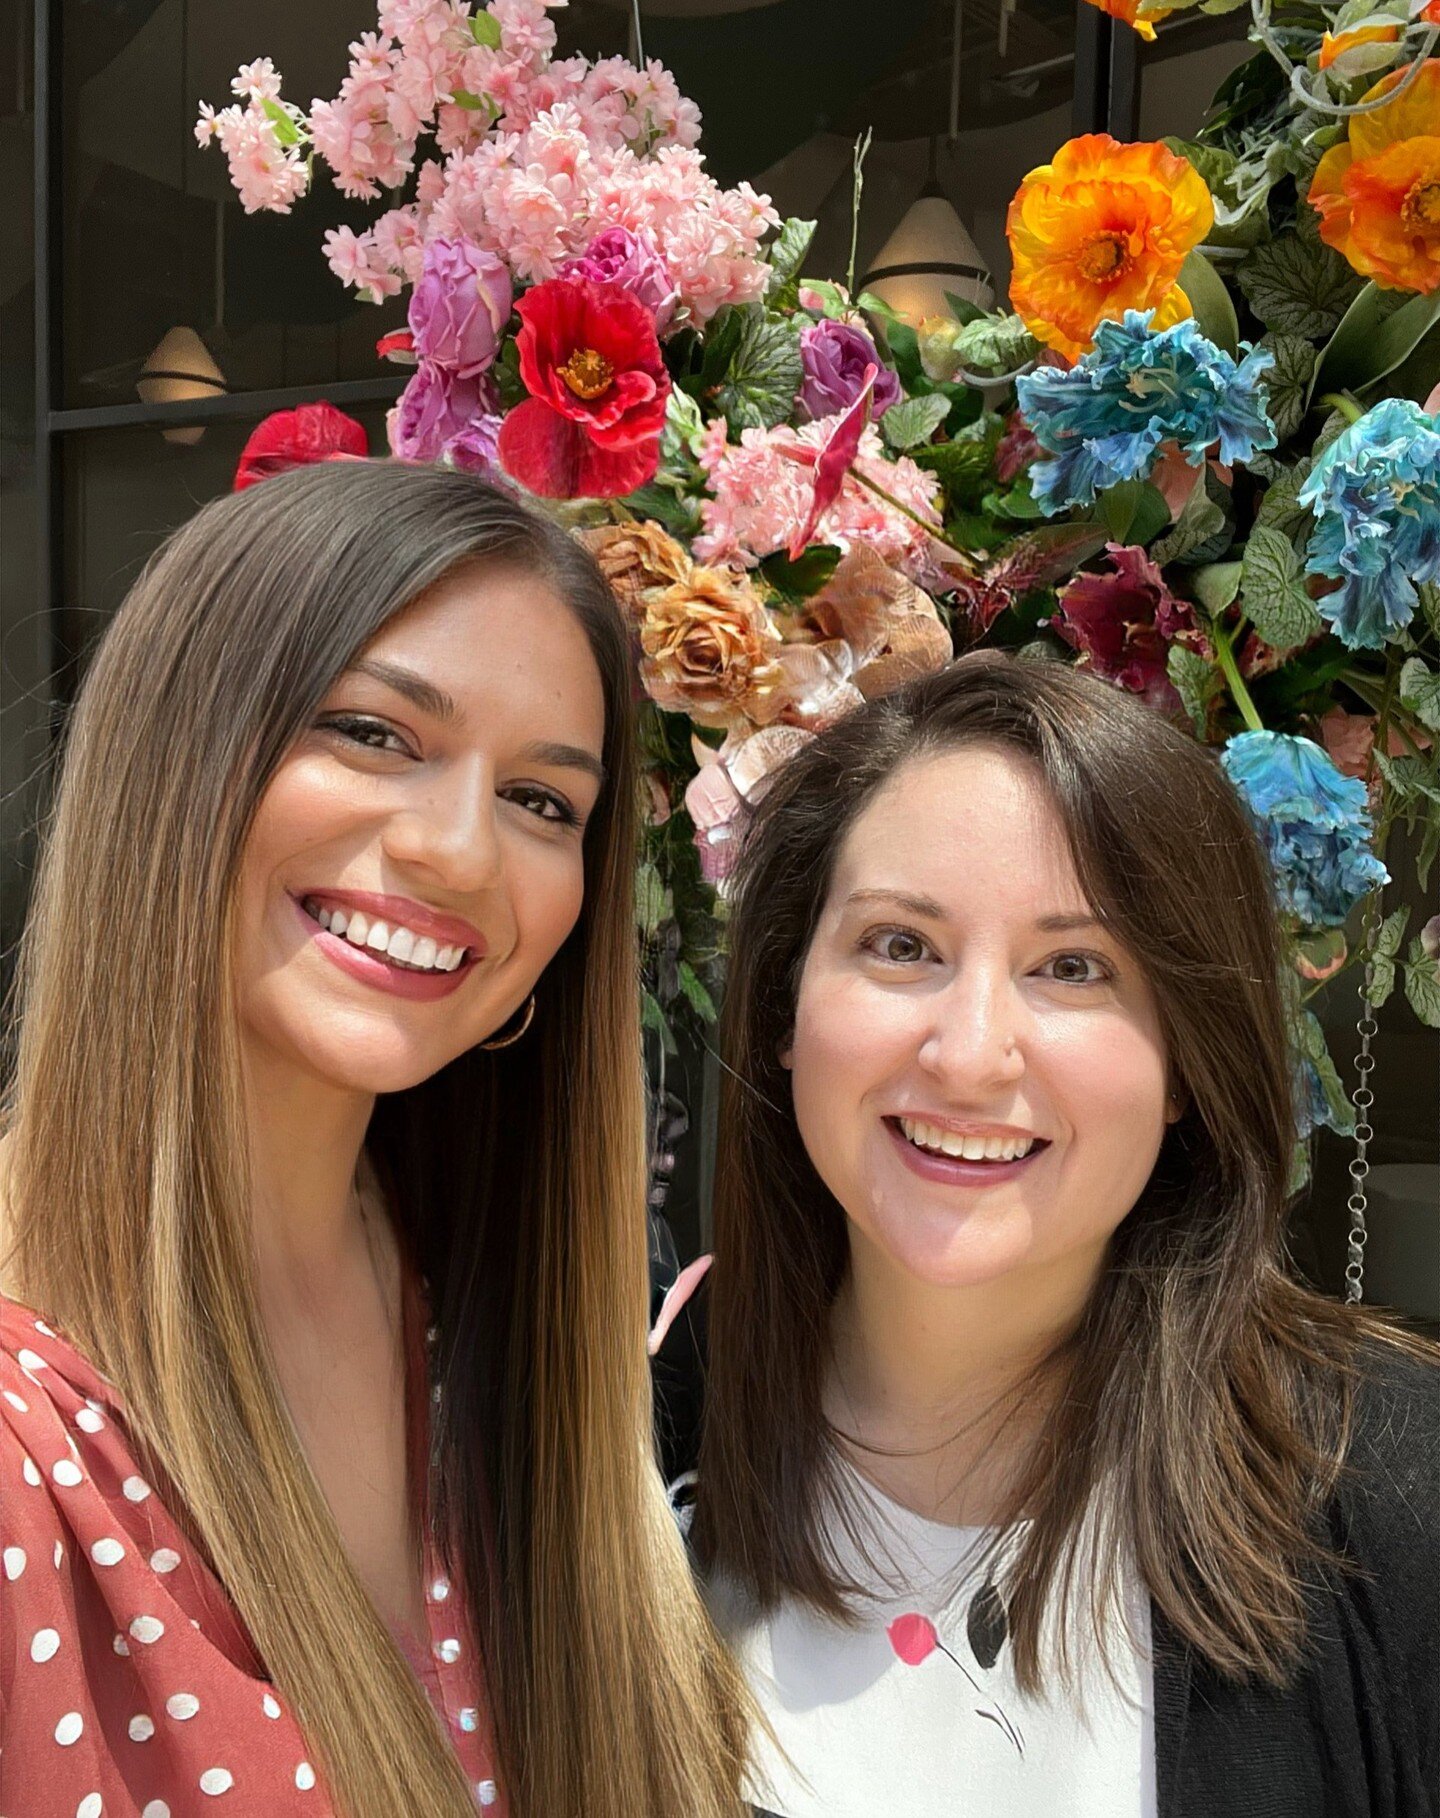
[(367, 733), (1101, 971), (363, 730)]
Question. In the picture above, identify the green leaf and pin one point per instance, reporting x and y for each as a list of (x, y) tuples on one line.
[(1313, 1047), (1216, 585), (652, 899), (995, 344), (965, 465), (286, 131), (904, 346), (1134, 511), (1420, 692), (962, 308), (462, 97), (764, 374), (1273, 592), (1287, 384), (914, 420), (506, 373), (798, 580), (684, 426), (1200, 519), (485, 29), (1382, 963), (1422, 985), (1210, 302), (786, 254), (1372, 340), (679, 515), (1413, 779), (1197, 682), (1429, 592), (1280, 509), (696, 995), (1297, 286), (652, 1017)]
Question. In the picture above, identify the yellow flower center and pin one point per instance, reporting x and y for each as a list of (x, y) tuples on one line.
[(1104, 256), (587, 373), (1421, 208)]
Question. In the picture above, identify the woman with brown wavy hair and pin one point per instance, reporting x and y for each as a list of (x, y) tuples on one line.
[(1032, 1482), (328, 1035)]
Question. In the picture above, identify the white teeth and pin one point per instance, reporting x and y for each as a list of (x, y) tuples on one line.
[(379, 936), (447, 959), (358, 932), (323, 917), (967, 1148), (337, 922), (402, 944), (424, 953)]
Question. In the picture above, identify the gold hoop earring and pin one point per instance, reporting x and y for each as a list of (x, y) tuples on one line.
[(509, 1041)]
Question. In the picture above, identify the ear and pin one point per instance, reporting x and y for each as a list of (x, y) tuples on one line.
[(1177, 1103), (786, 1055)]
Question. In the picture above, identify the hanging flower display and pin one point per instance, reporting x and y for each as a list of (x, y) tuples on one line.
[(1103, 228), (1378, 192), (1194, 489)]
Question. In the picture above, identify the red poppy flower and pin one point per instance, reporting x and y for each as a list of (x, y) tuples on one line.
[(913, 1638), (598, 388), (296, 438)]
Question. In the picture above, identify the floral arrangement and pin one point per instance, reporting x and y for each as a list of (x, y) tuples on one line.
[(1200, 457)]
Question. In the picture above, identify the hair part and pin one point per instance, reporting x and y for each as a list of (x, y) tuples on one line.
[(1208, 1391), (518, 1182)]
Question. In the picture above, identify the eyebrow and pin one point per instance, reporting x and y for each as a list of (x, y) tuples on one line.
[(421, 693), (927, 906), (565, 757)]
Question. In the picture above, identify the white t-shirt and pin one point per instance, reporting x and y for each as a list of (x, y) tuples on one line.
[(868, 1736)]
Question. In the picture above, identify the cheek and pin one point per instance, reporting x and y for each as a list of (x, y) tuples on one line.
[(547, 888), (845, 1044)]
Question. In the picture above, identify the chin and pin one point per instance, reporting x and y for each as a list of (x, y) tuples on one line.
[(945, 1252)]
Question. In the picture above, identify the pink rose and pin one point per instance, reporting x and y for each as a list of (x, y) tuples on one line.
[(437, 408), (631, 262), (913, 1638), (460, 306)]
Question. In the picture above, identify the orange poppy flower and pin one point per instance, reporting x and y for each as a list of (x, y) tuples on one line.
[(1101, 229), (1332, 48), (1378, 193), (1128, 12)]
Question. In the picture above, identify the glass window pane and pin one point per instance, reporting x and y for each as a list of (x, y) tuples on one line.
[(1180, 72), (155, 237)]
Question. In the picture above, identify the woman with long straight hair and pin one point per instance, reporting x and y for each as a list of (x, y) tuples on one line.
[(325, 1475), (1032, 1482)]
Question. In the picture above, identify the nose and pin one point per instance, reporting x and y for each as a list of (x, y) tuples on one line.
[(449, 831), (975, 1038)]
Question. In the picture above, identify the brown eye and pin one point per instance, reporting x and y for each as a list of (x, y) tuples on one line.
[(1079, 969), (900, 946)]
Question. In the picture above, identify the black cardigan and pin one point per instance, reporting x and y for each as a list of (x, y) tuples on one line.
[(1356, 1733)]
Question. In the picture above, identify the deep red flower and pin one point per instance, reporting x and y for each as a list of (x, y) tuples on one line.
[(598, 388), (296, 438), (398, 346), (913, 1638), (834, 460), (1124, 623)]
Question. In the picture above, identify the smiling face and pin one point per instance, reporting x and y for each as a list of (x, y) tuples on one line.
[(978, 1067), (417, 860)]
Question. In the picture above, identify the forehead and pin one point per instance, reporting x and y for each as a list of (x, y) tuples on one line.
[(975, 828), (500, 641)]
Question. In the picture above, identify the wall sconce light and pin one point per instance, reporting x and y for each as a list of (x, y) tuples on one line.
[(929, 253), (180, 370)]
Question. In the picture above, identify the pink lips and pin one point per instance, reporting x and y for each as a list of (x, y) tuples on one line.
[(371, 969), (444, 930), (952, 1170)]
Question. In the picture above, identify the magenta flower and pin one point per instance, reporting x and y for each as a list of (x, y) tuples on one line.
[(476, 448), (913, 1638), (833, 463), (837, 357), (631, 262), (436, 409), (459, 309), (1123, 624)]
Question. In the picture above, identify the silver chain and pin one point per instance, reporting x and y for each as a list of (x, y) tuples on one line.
[(1362, 1098)]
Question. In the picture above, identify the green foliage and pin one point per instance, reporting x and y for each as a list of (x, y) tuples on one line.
[(798, 580), (763, 373), (1422, 985), (1298, 286), (1420, 692), (1314, 1049), (913, 421), (1387, 946), (1210, 302), (485, 30), (1200, 521), (1198, 683), (787, 254), (1216, 585), (1134, 511), (286, 131), (1273, 592), (996, 344), (1378, 332), (1287, 384)]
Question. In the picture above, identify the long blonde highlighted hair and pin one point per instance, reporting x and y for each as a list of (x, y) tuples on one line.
[(517, 1178)]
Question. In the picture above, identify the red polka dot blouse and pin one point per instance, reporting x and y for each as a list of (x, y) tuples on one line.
[(129, 1687)]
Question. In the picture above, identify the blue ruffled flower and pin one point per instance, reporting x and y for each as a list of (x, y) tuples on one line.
[(1376, 493), (1314, 822), (1105, 418)]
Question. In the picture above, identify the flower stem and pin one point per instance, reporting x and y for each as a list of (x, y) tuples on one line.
[(1239, 693), (1345, 404), (914, 516)]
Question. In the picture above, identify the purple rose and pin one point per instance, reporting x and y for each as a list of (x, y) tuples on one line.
[(835, 356), (459, 309), (435, 409), (475, 449), (631, 261)]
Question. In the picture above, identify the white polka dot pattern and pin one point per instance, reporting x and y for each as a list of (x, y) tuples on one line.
[(142, 1683)]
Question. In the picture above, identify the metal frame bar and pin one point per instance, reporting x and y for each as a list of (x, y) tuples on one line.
[(48, 154), (229, 405)]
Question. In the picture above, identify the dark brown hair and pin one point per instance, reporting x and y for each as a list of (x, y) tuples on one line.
[(1205, 1387), (518, 1178)]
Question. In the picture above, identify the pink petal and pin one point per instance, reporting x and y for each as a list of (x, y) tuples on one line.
[(834, 462), (913, 1638), (680, 1290)]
